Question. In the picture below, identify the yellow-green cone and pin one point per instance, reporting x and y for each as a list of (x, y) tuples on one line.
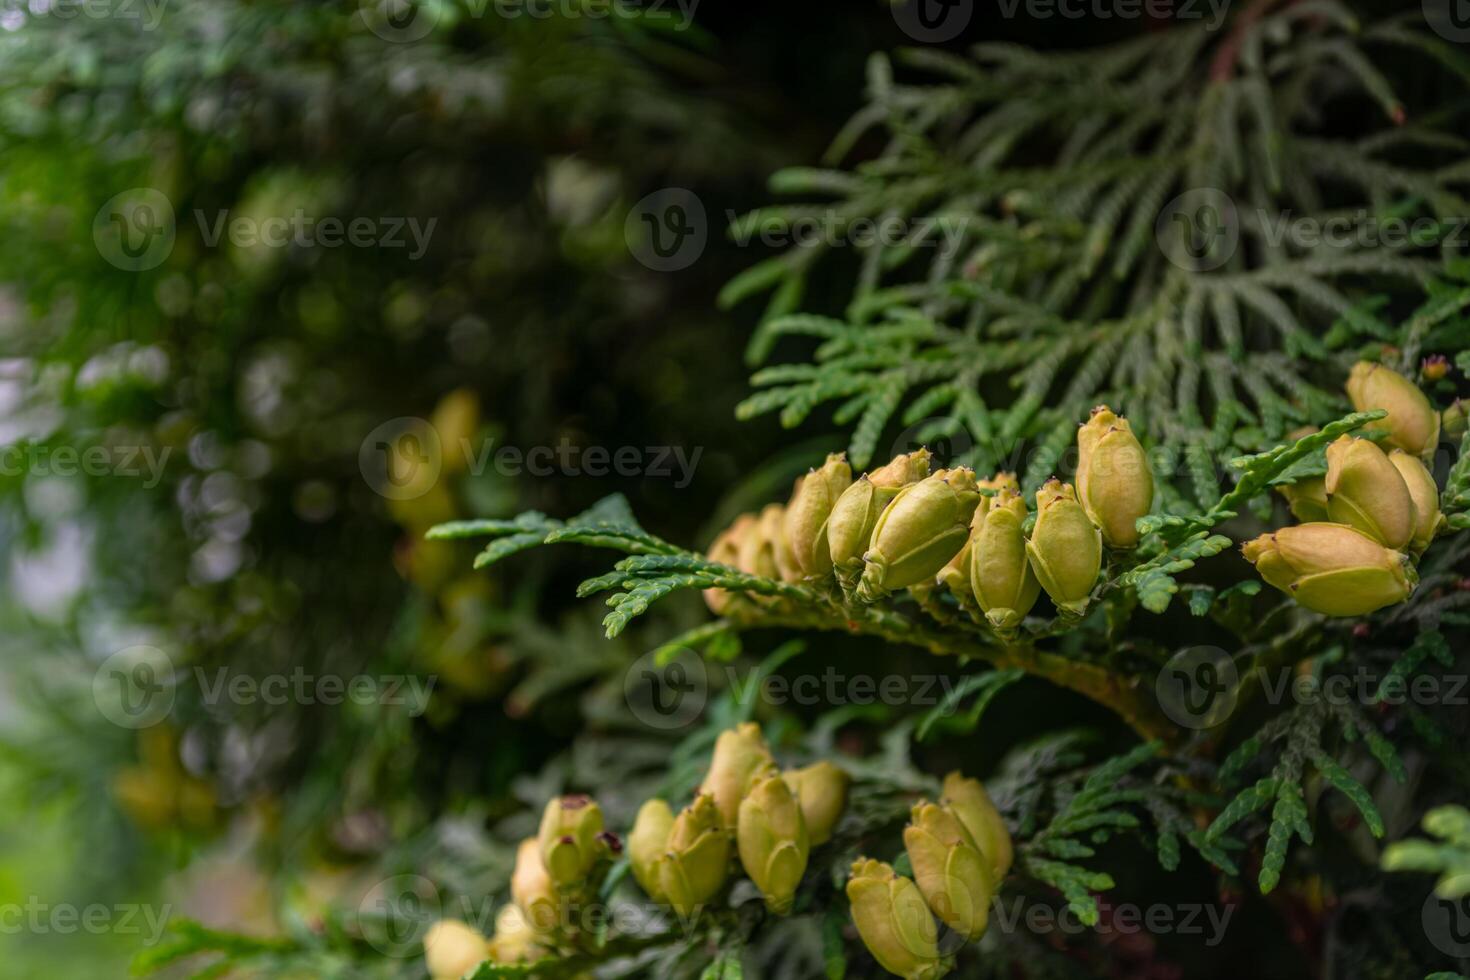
[(821, 790), (726, 551), (1065, 548), (772, 839), (569, 839), (1114, 483), (1307, 499), (647, 843), (804, 528), (857, 510), (452, 949), (956, 576), (696, 859), (1005, 586), (740, 753), (515, 940), (1412, 422), (919, 532), (1367, 491), (1332, 569), (532, 888), (972, 805), (894, 922), (758, 543), (1428, 521), (1454, 420), (952, 873)]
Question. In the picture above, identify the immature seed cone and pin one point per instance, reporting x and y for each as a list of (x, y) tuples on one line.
[(515, 941), (821, 790), (919, 532), (956, 576), (740, 753), (696, 858), (532, 888), (972, 805), (1332, 569), (952, 873), (1114, 483), (647, 843), (571, 839), (773, 841), (452, 949), (1065, 549), (456, 419), (726, 551), (1428, 521), (1453, 420), (894, 922), (857, 510), (1412, 423), (758, 543), (804, 528), (1005, 586), (1367, 491), (1307, 499)]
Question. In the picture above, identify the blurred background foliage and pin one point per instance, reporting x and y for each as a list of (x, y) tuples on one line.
[(253, 375)]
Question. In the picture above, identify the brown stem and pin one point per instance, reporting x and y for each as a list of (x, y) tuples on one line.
[(1223, 66)]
